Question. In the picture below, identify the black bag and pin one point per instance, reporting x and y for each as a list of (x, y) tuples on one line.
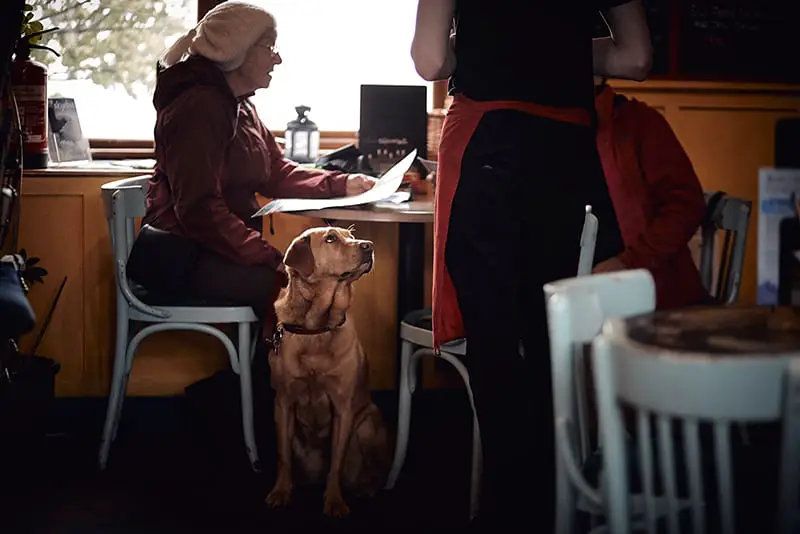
[(162, 262)]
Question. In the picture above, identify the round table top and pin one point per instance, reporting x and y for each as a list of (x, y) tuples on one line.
[(728, 330), (415, 211)]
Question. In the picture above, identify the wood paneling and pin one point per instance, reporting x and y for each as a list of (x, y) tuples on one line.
[(58, 237)]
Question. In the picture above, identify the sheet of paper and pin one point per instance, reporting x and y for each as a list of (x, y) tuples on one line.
[(400, 197), (387, 185)]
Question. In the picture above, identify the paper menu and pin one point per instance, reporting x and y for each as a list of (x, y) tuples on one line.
[(387, 185)]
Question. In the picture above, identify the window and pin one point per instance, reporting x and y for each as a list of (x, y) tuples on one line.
[(109, 50), (329, 49)]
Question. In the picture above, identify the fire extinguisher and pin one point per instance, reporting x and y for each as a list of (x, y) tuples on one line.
[(29, 84)]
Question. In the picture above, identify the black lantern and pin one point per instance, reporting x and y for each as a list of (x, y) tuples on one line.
[(302, 138)]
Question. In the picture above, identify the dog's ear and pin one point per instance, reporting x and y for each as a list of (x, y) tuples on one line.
[(300, 257)]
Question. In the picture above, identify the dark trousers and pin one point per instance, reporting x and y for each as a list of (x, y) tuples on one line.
[(174, 266), (515, 225)]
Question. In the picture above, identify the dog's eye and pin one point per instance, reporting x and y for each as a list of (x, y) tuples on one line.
[(330, 238)]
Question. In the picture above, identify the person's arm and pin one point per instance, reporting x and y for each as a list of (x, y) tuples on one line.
[(628, 54), (432, 48), (675, 192), (288, 180), (195, 136)]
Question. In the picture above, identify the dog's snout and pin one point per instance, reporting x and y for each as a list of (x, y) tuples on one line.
[(366, 246)]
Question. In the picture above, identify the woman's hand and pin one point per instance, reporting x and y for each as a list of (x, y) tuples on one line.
[(359, 183)]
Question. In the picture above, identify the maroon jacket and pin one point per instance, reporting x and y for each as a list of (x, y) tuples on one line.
[(656, 194), (213, 154)]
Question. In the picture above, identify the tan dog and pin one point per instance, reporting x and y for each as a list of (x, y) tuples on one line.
[(320, 373)]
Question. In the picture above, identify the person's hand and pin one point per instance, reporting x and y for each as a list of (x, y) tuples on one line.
[(359, 183), (609, 266)]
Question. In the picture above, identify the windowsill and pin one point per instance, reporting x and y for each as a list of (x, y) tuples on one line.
[(115, 149)]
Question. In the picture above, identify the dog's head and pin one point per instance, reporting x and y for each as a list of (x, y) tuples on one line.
[(320, 253)]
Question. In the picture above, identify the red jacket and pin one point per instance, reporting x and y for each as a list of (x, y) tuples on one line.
[(213, 154), (656, 194)]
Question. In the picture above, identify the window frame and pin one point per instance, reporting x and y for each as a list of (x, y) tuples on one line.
[(114, 149)]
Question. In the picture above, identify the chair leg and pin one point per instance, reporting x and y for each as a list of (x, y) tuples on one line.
[(118, 415), (407, 369), (246, 385), (566, 505), (477, 452), (118, 387), (477, 470)]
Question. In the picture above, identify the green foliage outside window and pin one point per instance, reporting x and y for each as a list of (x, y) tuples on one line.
[(110, 42)]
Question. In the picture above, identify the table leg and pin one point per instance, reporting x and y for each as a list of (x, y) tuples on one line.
[(410, 274)]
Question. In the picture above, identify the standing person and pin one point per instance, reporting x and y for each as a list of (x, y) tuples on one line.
[(517, 165)]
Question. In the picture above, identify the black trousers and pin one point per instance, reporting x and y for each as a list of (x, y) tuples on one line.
[(515, 225), (179, 267)]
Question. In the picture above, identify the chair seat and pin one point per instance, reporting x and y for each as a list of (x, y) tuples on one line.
[(154, 298), (188, 309), (417, 328)]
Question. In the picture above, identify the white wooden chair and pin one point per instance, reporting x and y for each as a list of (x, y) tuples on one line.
[(730, 216), (695, 390), (576, 309), (124, 201), (417, 341)]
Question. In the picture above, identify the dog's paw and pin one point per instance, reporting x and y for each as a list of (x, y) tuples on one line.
[(335, 507), (279, 497)]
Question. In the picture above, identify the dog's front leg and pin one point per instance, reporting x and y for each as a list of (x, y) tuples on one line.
[(281, 493), (342, 429)]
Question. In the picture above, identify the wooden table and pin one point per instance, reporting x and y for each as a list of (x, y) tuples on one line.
[(410, 217), (719, 331)]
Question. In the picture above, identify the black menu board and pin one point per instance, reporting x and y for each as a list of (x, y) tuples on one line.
[(740, 40)]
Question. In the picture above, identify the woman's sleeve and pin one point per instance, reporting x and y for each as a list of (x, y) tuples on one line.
[(287, 180), (195, 137)]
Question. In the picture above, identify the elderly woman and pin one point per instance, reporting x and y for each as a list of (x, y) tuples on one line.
[(213, 154)]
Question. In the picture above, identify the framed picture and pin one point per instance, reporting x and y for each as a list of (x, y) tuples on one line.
[(65, 139)]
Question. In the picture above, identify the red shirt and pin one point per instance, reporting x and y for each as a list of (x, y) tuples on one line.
[(656, 194), (213, 154)]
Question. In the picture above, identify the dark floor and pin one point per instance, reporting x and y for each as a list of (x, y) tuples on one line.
[(179, 466)]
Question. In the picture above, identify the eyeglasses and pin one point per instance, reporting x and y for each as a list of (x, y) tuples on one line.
[(273, 49)]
